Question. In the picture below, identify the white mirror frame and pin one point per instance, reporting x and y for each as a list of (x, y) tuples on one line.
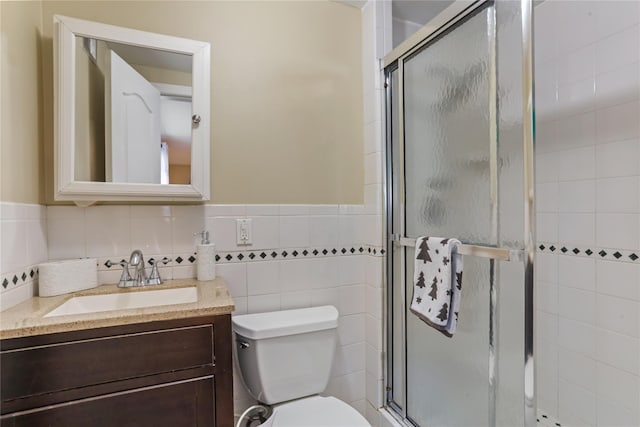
[(84, 192)]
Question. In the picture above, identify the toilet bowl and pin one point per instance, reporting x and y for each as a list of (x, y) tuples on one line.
[(315, 411), (285, 358)]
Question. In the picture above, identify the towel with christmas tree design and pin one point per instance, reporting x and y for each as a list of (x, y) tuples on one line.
[(437, 280)]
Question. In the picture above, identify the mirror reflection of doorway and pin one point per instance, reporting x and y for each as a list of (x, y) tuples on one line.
[(133, 151), (129, 101)]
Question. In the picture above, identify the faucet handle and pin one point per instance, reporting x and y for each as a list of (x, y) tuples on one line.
[(125, 279), (154, 277)]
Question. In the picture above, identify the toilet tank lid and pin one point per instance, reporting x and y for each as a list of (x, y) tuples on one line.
[(286, 322)]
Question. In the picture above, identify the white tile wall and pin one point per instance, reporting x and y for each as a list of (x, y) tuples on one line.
[(576, 304), (577, 369), (23, 237), (619, 387), (588, 196), (547, 297), (376, 41), (609, 413), (577, 272), (618, 279), (618, 350), (351, 282), (576, 405)]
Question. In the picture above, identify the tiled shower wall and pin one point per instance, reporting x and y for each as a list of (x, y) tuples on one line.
[(587, 81)]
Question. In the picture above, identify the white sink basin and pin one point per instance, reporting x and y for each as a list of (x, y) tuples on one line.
[(125, 300)]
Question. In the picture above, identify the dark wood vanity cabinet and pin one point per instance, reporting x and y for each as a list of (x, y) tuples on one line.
[(163, 373)]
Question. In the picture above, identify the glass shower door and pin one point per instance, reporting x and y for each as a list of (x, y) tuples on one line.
[(447, 177), (456, 157)]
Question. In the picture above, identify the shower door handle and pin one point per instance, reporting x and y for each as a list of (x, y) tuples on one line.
[(491, 252)]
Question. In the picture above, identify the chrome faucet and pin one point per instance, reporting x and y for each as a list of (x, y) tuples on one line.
[(139, 273), (140, 277)]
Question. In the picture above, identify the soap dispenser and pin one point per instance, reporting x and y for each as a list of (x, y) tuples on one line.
[(206, 257)]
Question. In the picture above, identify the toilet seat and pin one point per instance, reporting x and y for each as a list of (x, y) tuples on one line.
[(315, 411)]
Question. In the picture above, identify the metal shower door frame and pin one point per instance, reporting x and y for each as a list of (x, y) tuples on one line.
[(394, 61)]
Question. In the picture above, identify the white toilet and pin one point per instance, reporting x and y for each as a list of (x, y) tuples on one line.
[(285, 360)]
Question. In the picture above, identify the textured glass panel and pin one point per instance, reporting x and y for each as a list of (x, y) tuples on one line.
[(510, 348), (448, 194), (448, 378), (446, 100)]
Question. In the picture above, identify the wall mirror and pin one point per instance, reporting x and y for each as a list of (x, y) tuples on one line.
[(131, 114)]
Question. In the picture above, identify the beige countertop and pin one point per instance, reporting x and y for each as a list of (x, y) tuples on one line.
[(27, 318)]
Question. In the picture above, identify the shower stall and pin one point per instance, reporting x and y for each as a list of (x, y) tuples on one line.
[(460, 163)]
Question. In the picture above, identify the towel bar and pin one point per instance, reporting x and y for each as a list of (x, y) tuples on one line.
[(500, 254)]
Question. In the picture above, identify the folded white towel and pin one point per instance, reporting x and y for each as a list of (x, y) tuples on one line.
[(437, 280)]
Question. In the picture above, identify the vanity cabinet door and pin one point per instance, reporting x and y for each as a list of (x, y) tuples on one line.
[(185, 403), (143, 374), (69, 365)]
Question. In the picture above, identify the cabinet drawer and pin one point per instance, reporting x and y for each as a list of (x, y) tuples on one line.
[(186, 403), (67, 365)]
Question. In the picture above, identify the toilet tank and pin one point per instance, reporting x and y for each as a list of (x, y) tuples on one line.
[(285, 355)]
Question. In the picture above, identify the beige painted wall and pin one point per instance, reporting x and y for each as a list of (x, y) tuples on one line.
[(21, 159), (286, 91)]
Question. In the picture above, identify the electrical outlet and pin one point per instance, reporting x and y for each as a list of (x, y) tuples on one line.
[(243, 232)]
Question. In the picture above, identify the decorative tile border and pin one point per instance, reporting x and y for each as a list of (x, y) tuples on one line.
[(226, 257), (169, 260), (18, 278), (545, 420), (609, 254), (297, 253)]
